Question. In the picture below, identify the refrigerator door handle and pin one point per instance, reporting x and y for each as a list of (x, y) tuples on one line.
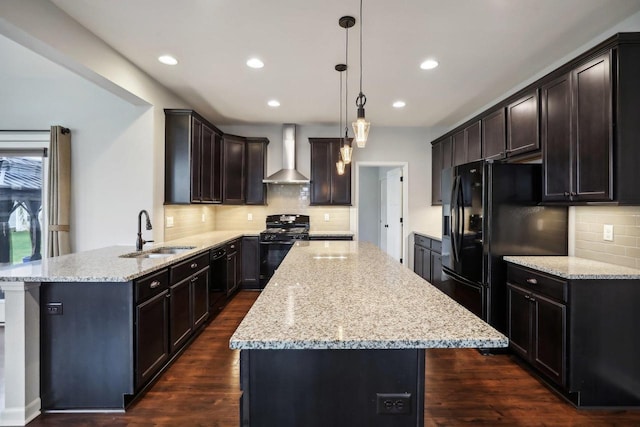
[(460, 215), (454, 217)]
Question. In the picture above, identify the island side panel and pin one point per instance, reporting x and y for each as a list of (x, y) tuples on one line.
[(87, 350), (329, 387)]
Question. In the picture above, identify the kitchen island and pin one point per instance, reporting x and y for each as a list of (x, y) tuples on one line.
[(338, 337)]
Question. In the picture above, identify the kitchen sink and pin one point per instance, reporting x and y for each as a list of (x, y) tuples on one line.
[(160, 252)]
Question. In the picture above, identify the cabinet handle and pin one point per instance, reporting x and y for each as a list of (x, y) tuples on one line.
[(532, 281), (573, 193), (154, 284), (233, 246), (567, 194), (195, 279), (527, 297), (194, 265)]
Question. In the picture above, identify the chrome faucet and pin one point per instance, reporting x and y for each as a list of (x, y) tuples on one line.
[(140, 241)]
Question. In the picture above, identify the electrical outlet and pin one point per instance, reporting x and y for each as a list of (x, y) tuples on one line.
[(169, 221), (249, 217), (607, 232), (326, 217), (393, 403)]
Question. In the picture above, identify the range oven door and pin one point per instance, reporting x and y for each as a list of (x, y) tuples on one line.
[(271, 255)]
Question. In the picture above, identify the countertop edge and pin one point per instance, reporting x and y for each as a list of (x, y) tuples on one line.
[(538, 263)]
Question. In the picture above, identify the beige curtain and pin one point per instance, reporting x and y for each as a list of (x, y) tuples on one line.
[(59, 191)]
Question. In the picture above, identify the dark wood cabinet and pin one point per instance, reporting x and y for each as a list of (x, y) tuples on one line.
[(234, 153), (427, 259), (250, 263), (494, 135), (192, 159), (200, 297), (256, 167), (180, 314), (467, 144), (151, 326), (522, 125), (326, 186), (436, 174), (234, 266), (459, 148)]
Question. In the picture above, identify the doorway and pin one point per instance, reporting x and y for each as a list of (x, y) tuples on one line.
[(382, 206)]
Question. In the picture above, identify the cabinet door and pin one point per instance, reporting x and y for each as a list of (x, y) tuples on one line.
[(426, 265), (180, 317), (436, 173), (493, 135), (152, 337), (217, 169), (447, 153), (522, 125), (206, 164), (196, 159), (418, 260), (320, 186), (519, 320), (459, 148), (549, 341), (250, 263), (556, 139), (436, 269), (200, 297), (234, 178), (256, 166), (340, 184), (232, 271), (474, 142), (593, 130)]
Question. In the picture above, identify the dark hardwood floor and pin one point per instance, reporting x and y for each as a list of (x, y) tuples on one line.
[(462, 387)]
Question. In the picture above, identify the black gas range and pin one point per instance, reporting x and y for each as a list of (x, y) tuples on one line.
[(277, 239)]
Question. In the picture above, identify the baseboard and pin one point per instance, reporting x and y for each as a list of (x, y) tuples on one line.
[(2, 311), (20, 416)]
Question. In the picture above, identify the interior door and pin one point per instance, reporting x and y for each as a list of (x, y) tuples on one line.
[(383, 215), (394, 213)]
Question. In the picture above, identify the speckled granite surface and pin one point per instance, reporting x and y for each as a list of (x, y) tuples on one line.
[(330, 233), (351, 295), (569, 267), (105, 264), (430, 234)]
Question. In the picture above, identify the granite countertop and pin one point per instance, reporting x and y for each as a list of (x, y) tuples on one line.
[(330, 233), (430, 234), (569, 267), (351, 295), (105, 264)]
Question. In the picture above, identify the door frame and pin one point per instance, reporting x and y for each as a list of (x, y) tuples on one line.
[(405, 201)]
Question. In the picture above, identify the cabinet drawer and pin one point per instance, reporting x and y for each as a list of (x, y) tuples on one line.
[(436, 245), (233, 246), (538, 282), (422, 241), (186, 268), (151, 285)]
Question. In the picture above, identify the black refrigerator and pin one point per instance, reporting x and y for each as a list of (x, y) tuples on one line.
[(491, 210)]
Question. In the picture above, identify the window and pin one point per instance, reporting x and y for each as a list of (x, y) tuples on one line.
[(22, 199)]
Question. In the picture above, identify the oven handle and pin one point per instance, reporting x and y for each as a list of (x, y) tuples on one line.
[(279, 243)]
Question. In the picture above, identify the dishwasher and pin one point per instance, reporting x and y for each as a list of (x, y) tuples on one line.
[(218, 282)]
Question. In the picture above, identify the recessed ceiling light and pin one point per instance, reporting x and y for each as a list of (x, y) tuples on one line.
[(399, 104), (255, 63), (429, 64), (273, 103), (168, 60)]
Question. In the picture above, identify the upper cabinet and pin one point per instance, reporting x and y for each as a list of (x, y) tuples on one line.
[(467, 146), (203, 165), (193, 159), (581, 119), (256, 166), (522, 125), (327, 187), (233, 152), (441, 158), (493, 135)]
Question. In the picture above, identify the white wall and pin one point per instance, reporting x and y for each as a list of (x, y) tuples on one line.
[(115, 113)]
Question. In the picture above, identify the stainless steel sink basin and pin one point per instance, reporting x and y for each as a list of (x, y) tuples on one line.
[(160, 252)]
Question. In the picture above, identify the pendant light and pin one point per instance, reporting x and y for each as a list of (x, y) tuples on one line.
[(361, 125), (346, 150), (340, 165)]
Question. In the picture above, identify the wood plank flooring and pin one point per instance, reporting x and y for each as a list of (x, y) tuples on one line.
[(462, 387)]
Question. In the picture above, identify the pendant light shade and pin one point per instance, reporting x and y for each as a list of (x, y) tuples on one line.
[(361, 125), (340, 167), (346, 151)]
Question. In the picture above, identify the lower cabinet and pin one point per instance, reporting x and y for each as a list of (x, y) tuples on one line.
[(250, 262), (234, 266), (427, 259), (578, 335)]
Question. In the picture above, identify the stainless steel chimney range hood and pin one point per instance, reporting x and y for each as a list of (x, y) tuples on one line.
[(288, 174)]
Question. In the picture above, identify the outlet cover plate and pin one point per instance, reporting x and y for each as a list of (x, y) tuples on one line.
[(607, 232)]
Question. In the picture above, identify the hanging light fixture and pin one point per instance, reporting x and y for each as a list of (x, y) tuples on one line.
[(361, 125), (340, 165), (346, 150)]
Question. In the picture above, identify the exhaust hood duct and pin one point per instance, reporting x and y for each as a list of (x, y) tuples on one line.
[(288, 174)]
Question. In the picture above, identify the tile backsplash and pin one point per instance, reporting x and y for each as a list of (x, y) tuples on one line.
[(625, 247), (187, 220)]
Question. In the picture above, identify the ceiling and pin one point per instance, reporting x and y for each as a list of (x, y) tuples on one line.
[(484, 47)]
